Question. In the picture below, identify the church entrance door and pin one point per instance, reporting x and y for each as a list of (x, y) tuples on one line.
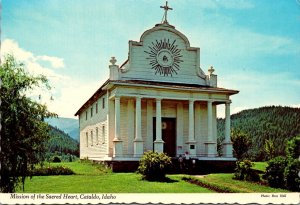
[(168, 126)]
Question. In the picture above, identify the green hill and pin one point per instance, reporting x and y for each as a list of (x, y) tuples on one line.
[(69, 125), (274, 123), (61, 144)]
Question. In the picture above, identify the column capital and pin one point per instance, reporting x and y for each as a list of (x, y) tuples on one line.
[(192, 100), (228, 102), (138, 97), (158, 99)]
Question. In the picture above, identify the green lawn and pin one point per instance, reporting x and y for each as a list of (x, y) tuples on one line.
[(226, 181), (261, 166), (93, 179)]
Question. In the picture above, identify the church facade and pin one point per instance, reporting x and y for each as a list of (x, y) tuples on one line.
[(159, 99)]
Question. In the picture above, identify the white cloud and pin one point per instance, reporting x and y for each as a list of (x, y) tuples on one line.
[(55, 61), (296, 105), (66, 96), (71, 99), (238, 109), (10, 46), (233, 110)]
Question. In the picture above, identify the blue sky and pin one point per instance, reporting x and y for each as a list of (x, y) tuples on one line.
[(254, 45)]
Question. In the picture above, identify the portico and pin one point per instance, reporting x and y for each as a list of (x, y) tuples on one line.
[(153, 106)]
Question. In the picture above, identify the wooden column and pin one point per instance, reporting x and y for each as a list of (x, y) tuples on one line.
[(130, 126), (149, 138), (210, 145), (118, 149), (179, 129), (227, 145), (138, 141), (191, 121), (158, 143), (191, 142), (138, 119), (209, 121), (227, 122)]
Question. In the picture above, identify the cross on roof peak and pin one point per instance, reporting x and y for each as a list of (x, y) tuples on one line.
[(166, 8)]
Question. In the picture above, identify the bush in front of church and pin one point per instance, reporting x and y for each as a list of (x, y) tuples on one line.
[(153, 166), (292, 175), (275, 172), (244, 171)]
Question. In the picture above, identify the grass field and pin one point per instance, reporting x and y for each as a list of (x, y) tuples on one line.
[(92, 178), (261, 166)]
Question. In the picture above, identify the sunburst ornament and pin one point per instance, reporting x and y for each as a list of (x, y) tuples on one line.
[(164, 57)]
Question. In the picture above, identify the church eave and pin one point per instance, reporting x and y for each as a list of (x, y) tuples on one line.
[(173, 86), (93, 98)]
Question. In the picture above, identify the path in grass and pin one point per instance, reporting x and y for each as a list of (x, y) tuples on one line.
[(94, 179)]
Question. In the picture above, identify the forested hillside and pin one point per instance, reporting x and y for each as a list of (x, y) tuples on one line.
[(69, 125), (274, 123), (61, 144)]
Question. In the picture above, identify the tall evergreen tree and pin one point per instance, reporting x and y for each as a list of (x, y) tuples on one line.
[(23, 130)]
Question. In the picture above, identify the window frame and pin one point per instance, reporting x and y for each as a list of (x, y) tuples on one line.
[(103, 134), (103, 103)]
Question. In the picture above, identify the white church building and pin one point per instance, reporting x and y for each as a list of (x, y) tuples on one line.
[(159, 99)]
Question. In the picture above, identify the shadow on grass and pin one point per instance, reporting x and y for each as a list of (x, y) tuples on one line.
[(163, 180)]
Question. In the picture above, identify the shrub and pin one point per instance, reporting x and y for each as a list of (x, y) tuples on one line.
[(240, 144), (291, 177), (275, 172), (293, 148), (243, 171), (56, 159), (153, 166), (46, 171), (269, 149)]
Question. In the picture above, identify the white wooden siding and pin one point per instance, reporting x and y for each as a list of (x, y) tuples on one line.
[(89, 146)]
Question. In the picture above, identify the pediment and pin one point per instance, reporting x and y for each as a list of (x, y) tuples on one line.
[(164, 54)]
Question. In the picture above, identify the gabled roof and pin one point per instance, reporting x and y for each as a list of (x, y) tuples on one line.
[(101, 91), (93, 98)]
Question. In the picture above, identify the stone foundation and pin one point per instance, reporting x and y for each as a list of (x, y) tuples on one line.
[(192, 166)]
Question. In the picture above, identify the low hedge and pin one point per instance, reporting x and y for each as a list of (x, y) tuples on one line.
[(57, 170), (212, 186)]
